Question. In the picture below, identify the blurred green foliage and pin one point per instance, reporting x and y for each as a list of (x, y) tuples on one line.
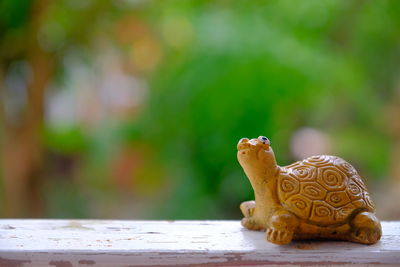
[(270, 68), (228, 69)]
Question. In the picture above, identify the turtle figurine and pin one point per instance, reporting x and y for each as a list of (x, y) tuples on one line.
[(318, 197)]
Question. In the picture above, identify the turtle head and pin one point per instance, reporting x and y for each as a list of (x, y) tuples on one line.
[(257, 158)]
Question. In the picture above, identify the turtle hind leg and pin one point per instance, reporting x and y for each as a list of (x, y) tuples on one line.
[(365, 228)]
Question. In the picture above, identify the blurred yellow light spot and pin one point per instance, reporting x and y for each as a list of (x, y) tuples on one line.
[(145, 54), (177, 31)]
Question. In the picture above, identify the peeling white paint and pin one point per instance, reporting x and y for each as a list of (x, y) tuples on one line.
[(162, 243)]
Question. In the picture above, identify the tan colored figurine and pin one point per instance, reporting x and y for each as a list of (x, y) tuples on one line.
[(319, 197)]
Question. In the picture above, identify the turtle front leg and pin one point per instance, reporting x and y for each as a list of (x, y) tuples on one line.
[(282, 227), (248, 221)]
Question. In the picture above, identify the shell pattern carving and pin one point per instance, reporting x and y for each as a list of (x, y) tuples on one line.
[(322, 190)]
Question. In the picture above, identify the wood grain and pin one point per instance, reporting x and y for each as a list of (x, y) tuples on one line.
[(166, 243)]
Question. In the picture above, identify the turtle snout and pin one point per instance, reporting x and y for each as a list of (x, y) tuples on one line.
[(254, 144), (243, 143)]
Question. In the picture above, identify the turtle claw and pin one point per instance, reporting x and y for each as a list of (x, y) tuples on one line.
[(247, 208), (250, 223), (279, 237)]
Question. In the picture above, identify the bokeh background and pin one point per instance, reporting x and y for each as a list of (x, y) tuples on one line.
[(133, 108)]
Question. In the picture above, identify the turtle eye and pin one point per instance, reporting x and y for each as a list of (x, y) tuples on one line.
[(264, 140)]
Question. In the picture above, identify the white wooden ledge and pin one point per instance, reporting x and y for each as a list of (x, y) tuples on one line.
[(161, 243)]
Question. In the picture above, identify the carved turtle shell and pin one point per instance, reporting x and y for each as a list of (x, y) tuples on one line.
[(322, 190)]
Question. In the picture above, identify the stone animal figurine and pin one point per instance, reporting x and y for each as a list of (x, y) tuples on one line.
[(319, 197)]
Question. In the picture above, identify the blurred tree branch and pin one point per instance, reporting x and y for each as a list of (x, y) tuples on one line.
[(22, 149), (22, 40)]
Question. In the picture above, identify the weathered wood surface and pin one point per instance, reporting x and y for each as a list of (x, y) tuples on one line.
[(161, 243)]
